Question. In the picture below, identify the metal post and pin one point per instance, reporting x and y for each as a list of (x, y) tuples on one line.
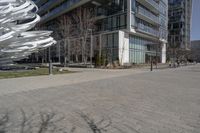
[(50, 62), (91, 48), (174, 65), (100, 49), (65, 60), (157, 56), (151, 63), (83, 49), (50, 67), (68, 42), (59, 57)]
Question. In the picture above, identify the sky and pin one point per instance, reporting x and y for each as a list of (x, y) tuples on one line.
[(195, 31)]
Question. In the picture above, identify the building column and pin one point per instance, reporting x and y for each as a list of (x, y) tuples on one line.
[(129, 15), (163, 52), (100, 46), (123, 47)]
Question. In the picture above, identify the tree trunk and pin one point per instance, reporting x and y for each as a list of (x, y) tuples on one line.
[(76, 58), (82, 49), (65, 58), (68, 41)]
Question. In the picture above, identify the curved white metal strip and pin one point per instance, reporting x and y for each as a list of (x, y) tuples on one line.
[(15, 42)]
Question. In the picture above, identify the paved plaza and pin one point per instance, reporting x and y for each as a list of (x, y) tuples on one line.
[(134, 101)]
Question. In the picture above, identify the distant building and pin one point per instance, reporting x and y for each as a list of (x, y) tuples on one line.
[(179, 24), (131, 31), (195, 50)]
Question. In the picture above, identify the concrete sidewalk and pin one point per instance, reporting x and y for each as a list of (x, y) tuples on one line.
[(164, 101), (81, 75)]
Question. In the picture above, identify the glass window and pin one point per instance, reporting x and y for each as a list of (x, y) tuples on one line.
[(114, 22), (115, 39), (139, 48), (110, 40), (109, 23), (133, 5), (132, 20), (122, 20)]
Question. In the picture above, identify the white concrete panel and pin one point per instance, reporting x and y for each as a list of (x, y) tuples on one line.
[(163, 52), (123, 47)]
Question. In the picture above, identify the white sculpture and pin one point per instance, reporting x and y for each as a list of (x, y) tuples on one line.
[(17, 17)]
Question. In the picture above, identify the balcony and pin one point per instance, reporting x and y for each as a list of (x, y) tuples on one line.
[(147, 15), (40, 2), (179, 5), (101, 12), (150, 4), (65, 7), (153, 3), (147, 30), (176, 18), (48, 5)]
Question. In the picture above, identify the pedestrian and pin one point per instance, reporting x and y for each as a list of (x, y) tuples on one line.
[(178, 63), (170, 63)]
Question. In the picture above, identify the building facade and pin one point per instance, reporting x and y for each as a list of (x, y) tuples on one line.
[(195, 50), (130, 31), (179, 23)]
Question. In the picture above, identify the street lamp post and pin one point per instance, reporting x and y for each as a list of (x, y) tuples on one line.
[(156, 56), (91, 46), (174, 65), (50, 62), (151, 69)]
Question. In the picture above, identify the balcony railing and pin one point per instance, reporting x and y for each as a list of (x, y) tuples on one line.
[(63, 7), (101, 12), (148, 14), (177, 5), (40, 2), (153, 3), (47, 5), (147, 29)]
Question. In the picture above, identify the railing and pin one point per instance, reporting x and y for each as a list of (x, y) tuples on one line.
[(153, 3), (46, 5), (147, 29), (177, 18), (101, 12), (176, 5), (64, 6), (148, 14), (39, 2)]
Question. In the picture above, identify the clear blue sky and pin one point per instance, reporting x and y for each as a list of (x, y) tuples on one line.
[(195, 31)]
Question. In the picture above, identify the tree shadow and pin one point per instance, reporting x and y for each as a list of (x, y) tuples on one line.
[(52, 122)]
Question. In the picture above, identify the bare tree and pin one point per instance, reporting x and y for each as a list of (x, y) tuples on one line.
[(75, 29), (66, 29), (84, 19)]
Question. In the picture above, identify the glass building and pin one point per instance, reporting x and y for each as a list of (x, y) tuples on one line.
[(179, 23), (130, 31)]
